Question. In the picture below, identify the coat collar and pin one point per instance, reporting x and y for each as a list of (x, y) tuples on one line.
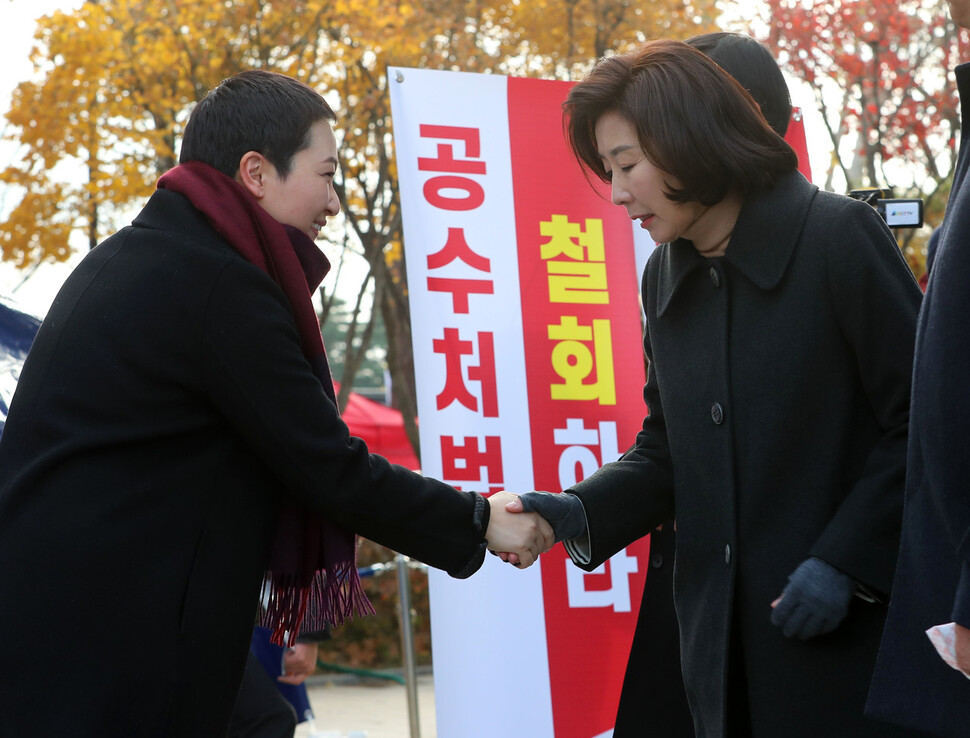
[(764, 238), (172, 212)]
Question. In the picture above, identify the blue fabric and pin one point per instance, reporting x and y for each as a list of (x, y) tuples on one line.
[(17, 331), (271, 657)]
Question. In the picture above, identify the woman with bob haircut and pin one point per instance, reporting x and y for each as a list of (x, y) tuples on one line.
[(779, 331), (653, 684)]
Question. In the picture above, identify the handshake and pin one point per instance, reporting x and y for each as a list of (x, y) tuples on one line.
[(523, 526)]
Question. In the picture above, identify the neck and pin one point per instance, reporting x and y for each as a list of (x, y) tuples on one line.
[(718, 226)]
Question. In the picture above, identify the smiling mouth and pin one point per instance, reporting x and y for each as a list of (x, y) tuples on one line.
[(316, 227), (645, 220)]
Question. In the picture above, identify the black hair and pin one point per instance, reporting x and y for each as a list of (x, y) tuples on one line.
[(750, 62), (254, 110), (693, 121)]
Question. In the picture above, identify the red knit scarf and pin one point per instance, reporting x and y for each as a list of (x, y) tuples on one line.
[(312, 575)]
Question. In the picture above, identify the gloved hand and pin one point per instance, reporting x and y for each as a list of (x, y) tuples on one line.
[(815, 601), (563, 511)]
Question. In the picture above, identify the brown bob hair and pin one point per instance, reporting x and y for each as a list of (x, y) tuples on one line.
[(693, 121)]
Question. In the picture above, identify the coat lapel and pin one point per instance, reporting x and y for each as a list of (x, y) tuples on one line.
[(764, 239), (677, 260)]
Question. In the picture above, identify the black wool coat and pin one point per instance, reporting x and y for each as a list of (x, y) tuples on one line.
[(778, 397), (653, 684), (163, 413), (913, 685)]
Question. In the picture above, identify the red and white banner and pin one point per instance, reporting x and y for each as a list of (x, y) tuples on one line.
[(795, 136), (527, 344)]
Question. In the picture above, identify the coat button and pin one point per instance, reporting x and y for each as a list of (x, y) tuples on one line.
[(657, 560), (715, 277), (717, 413), (727, 554)]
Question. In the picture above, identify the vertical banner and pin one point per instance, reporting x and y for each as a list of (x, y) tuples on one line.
[(529, 368), (795, 136), (586, 372)]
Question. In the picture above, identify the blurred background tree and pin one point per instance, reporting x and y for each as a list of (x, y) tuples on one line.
[(116, 80), (369, 379), (114, 84), (880, 73)]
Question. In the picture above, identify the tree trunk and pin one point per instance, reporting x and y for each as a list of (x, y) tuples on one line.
[(400, 356)]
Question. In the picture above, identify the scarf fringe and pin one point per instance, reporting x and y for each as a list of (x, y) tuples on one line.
[(330, 599)]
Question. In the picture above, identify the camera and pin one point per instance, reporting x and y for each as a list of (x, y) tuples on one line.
[(898, 213)]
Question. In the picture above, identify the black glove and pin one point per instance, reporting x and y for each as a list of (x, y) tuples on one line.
[(563, 511), (815, 601)]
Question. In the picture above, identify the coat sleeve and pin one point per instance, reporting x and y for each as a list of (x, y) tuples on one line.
[(628, 498), (875, 299), (942, 388), (265, 389)]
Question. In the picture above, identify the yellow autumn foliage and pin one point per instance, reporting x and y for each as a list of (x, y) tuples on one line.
[(116, 79)]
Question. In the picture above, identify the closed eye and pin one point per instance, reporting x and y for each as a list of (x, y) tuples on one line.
[(608, 173)]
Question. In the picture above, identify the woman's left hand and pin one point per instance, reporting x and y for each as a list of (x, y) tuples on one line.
[(815, 601)]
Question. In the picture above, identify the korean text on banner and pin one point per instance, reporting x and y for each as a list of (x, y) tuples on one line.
[(526, 331)]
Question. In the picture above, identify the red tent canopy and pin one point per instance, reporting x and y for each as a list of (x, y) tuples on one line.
[(381, 427)]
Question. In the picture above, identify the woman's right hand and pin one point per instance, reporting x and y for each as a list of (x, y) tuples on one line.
[(517, 537)]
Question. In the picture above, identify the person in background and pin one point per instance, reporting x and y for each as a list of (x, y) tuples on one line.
[(272, 698), (261, 709), (780, 323), (920, 682), (653, 687), (750, 62), (931, 245), (174, 438)]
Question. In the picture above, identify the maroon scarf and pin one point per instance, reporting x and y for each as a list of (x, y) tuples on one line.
[(312, 575)]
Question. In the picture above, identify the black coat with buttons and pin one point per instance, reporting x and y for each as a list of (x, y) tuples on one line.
[(778, 405)]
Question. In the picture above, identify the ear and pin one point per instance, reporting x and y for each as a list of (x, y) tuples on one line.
[(252, 169)]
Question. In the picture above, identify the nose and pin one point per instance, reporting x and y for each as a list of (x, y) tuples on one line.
[(333, 205), (618, 194)]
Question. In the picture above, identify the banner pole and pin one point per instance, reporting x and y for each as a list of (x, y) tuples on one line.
[(407, 643)]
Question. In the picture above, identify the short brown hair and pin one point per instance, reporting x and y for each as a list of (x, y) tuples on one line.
[(693, 121)]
